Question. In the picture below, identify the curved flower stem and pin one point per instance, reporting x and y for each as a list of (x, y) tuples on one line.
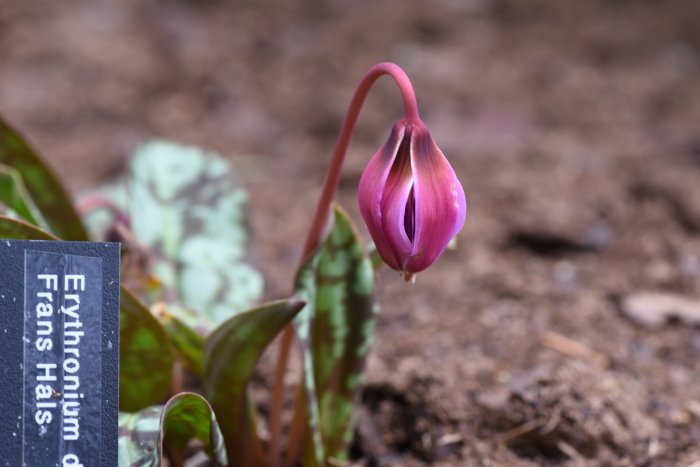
[(330, 185), (323, 209)]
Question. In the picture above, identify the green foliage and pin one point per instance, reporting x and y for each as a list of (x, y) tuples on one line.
[(47, 193), (143, 436), (188, 213), (15, 197), (336, 329), (139, 438), (231, 353), (188, 216), (14, 229), (188, 343), (145, 355), (187, 209)]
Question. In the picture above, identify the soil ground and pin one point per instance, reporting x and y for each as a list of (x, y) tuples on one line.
[(562, 330)]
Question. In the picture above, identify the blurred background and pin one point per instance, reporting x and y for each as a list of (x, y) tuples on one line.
[(563, 329)]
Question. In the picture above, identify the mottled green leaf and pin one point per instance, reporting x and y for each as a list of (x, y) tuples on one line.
[(186, 207), (139, 438), (145, 355), (336, 330), (188, 416), (306, 290), (42, 185), (374, 257), (230, 355), (188, 343), (145, 435), (15, 197)]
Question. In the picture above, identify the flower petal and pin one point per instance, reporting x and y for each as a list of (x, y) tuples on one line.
[(396, 198), (371, 190), (440, 204)]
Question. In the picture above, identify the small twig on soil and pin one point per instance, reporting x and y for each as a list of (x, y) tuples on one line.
[(521, 430), (574, 349), (693, 407), (553, 422), (654, 447), (569, 450), (450, 438)]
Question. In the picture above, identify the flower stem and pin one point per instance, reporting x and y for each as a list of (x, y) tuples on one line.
[(323, 209), (330, 185)]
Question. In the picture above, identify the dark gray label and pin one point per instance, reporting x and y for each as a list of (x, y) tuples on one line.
[(62, 359)]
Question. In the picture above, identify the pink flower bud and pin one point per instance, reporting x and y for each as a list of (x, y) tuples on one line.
[(411, 200)]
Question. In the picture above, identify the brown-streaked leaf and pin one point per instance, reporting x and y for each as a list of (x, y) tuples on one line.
[(49, 195), (188, 342), (14, 229), (145, 354), (230, 355), (145, 435), (15, 197), (336, 330)]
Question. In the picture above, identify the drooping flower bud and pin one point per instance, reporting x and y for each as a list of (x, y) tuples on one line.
[(411, 200)]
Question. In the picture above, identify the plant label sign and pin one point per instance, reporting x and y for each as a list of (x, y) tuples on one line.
[(59, 353)]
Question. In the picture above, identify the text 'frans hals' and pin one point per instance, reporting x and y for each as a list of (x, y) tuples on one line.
[(62, 359)]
